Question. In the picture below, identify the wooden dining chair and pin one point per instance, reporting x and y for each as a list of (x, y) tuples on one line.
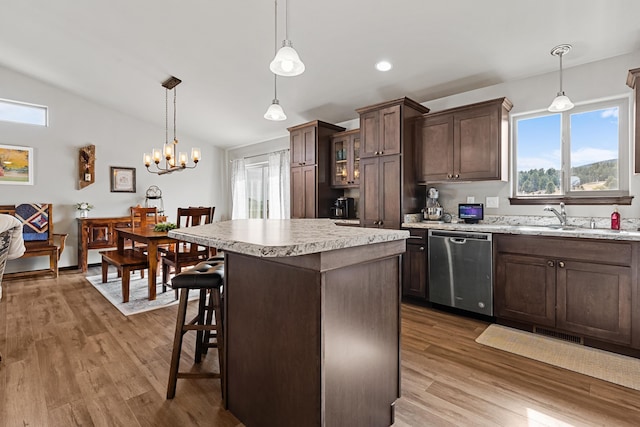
[(184, 254), (142, 218)]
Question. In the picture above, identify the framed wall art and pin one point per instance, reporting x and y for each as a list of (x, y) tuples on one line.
[(16, 165), (123, 180)]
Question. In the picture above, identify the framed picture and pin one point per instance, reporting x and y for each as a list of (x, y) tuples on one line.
[(123, 180), (16, 165)]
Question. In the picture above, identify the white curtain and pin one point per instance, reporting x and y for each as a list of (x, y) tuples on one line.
[(238, 189), (279, 185)]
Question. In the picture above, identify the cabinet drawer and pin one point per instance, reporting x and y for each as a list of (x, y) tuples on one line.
[(418, 236), (567, 248)]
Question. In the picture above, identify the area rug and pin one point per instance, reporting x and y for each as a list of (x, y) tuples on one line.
[(612, 367), (138, 294)]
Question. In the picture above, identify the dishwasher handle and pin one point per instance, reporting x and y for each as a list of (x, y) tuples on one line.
[(458, 240)]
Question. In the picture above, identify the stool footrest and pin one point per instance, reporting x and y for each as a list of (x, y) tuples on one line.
[(198, 375)]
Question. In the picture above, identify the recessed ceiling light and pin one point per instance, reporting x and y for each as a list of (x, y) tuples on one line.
[(383, 66)]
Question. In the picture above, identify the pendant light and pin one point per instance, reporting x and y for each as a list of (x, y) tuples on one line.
[(275, 111), (286, 62), (561, 101)]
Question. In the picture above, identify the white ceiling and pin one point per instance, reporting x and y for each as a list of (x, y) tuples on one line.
[(118, 52)]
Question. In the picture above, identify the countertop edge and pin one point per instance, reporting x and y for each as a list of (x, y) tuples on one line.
[(284, 238), (531, 230)]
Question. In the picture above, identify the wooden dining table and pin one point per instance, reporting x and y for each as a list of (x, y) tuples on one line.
[(152, 239)]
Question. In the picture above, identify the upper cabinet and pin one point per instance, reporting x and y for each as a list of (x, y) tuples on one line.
[(311, 192), (303, 145), (469, 143), (345, 159), (633, 83), (380, 131)]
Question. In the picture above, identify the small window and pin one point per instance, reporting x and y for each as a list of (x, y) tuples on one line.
[(582, 152), (20, 112)]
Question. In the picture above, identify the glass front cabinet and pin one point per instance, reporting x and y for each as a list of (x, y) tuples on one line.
[(345, 154)]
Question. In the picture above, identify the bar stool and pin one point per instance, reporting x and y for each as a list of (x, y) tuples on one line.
[(207, 277)]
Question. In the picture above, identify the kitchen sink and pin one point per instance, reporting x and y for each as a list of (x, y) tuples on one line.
[(548, 227)]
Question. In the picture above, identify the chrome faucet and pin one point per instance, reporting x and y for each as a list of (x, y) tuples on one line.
[(562, 215)]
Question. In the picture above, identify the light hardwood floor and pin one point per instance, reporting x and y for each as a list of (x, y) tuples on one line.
[(71, 359)]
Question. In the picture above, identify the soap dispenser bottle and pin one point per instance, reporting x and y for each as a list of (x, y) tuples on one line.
[(615, 219)]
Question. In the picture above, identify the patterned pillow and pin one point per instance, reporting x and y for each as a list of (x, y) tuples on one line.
[(5, 240), (35, 220)]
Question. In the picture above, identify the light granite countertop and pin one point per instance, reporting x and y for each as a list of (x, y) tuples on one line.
[(532, 229), (282, 238)]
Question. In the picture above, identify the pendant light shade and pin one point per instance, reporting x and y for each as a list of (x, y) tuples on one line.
[(561, 102), (275, 112), (287, 62)]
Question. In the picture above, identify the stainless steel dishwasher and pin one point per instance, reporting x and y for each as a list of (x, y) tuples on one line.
[(461, 270)]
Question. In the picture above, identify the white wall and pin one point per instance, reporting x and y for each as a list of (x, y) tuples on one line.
[(120, 141), (598, 80)]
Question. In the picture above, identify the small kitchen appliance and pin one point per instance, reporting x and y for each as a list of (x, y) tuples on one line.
[(432, 211), (343, 208), (471, 213)]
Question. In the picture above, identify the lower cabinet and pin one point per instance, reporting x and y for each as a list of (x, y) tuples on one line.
[(414, 266), (578, 286), (303, 192)]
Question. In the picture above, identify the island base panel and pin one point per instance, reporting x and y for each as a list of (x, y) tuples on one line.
[(279, 374)]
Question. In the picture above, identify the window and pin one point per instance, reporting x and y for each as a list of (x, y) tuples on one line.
[(260, 186), (20, 112), (582, 152), (257, 189)]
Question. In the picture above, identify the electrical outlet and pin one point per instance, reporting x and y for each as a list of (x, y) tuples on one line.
[(471, 199), (492, 202)]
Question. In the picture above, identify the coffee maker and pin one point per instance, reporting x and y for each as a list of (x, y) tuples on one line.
[(343, 208), (432, 211)]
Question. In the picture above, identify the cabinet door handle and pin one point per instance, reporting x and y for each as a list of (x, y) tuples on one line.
[(551, 263), (561, 264), (422, 248), (456, 176), (382, 152), (449, 176)]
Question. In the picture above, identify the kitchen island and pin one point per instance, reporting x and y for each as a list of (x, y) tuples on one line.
[(312, 320)]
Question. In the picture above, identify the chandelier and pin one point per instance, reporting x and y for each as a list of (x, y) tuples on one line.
[(173, 160)]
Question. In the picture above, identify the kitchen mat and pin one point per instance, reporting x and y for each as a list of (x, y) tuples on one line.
[(612, 367)]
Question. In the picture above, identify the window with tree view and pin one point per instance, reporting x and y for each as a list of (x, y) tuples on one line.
[(580, 152)]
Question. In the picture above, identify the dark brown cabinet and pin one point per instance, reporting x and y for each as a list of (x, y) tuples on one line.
[(303, 192), (380, 198), (345, 159), (468, 143), (578, 286), (414, 266), (632, 82), (388, 188), (311, 192)]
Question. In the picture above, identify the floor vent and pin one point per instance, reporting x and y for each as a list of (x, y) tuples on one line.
[(559, 335)]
